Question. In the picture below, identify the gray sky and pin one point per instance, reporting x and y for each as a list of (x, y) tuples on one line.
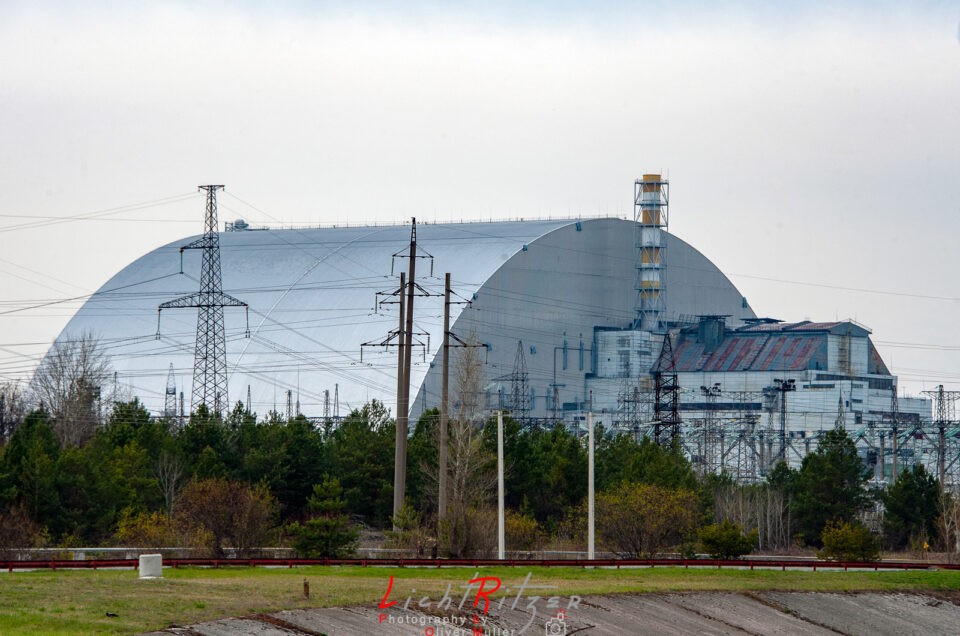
[(813, 150)]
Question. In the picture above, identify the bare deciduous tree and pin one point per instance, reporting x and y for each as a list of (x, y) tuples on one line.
[(71, 383), (472, 478), (759, 507), (231, 511), (12, 409), (949, 524), (169, 472), (18, 532)]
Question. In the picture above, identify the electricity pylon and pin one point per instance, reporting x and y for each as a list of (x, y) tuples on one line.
[(210, 357)]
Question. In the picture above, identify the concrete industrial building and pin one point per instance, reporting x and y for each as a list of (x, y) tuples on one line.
[(738, 386), (572, 316)]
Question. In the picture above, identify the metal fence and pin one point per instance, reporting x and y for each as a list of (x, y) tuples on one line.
[(751, 564)]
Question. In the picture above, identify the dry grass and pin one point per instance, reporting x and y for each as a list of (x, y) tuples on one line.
[(77, 602)]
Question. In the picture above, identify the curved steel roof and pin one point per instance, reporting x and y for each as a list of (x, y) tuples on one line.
[(312, 296)]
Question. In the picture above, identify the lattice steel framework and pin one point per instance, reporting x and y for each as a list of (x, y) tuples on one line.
[(170, 395), (519, 404), (651, 205), (666, 396), (745, 458), (210, 357), (711, 438), (635, 406), (946, 417)]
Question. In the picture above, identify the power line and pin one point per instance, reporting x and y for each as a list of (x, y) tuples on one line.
[(534, 300), (96, 215), (83, 297)]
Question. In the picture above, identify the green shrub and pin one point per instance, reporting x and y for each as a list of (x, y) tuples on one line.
[(849, 541), (329, 533), (522, 531), (158, 530), (408, 533), (725, 540), (637, 520)]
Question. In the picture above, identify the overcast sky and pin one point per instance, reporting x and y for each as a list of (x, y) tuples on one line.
[(813, 150)]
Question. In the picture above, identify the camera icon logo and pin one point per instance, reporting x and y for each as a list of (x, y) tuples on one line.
[(557, 626)]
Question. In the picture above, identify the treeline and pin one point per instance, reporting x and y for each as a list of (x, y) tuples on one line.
[(133, 465), (650, 499), (242, 482)]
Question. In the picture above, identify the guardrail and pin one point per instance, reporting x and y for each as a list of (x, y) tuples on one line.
[(782, 564)]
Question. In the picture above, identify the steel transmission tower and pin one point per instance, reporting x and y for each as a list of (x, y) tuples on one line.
[(210, 358), (520, 386), (666, 403), (170, 395), (945, 401)]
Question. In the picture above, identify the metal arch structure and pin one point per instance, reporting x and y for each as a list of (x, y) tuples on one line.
[(210, 353), (311, 291)]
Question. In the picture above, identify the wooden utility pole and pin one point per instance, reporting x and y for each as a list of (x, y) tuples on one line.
[(400, 440), (403, 397), (444, 403)]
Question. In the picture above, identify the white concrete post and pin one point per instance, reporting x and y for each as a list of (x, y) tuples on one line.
[(501, 533), (591, 518)]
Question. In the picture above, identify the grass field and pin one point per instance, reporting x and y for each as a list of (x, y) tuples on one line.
[(77, 601)]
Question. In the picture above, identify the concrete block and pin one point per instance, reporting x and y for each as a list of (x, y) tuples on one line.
[(151, 566)]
